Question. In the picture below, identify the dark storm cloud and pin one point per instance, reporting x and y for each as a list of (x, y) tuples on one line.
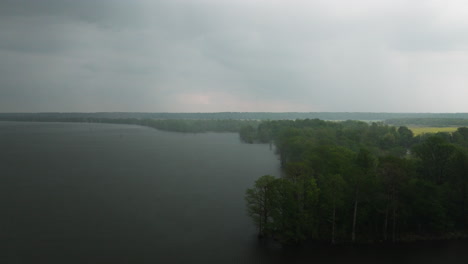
[(61, 55)]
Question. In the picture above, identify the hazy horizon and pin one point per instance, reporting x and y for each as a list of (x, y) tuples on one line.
[(217, 112), (233, 56)]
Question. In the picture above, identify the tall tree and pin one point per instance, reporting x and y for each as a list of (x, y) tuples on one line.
[(435, 154), (405, 136), (392, 176), (259, 202), (458, 186), (332, 188), (365, 163), (293, 217)]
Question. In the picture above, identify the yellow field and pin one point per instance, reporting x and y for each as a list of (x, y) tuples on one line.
[(422, 130)]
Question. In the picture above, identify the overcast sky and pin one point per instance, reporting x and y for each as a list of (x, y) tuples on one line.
[(233, 55)]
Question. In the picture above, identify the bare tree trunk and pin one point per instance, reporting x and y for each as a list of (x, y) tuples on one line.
[(394, 216), (333, 223), (353, 234), (264, 216), (265, 219), (463, 203), (394, 224), (261, 233), (385, 224), (261, 226)]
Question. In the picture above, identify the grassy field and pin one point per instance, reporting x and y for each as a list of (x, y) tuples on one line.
[(422, 130)]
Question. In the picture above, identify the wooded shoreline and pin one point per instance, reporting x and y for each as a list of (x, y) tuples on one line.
[(345, 181)]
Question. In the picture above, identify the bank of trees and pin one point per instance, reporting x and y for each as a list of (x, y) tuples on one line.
[(357, 182), (199, 125), (432, 121), (174, 125)]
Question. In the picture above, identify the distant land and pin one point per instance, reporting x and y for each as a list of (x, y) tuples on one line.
[(363, 116), (234, 121)]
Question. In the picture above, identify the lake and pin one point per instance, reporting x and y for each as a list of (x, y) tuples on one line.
[(103, 193)]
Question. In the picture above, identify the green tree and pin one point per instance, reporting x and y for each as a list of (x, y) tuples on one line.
[(461, 136), (435, 154), (361, 179), (458, 187), (247, 134), (259, 202), (393, 176), (332, 187), (405, 136), (427, 213), (293, 217)]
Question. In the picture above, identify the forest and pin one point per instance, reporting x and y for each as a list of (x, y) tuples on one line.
[(352, 181)]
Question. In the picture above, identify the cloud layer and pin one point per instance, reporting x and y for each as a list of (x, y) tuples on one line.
[(243, 55)]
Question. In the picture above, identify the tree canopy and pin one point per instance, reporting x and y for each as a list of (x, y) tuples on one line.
[(360, 182)]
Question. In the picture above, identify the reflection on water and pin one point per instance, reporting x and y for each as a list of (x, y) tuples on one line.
[(96, 193)]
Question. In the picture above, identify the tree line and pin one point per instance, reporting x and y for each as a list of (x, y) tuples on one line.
[(357, 182), (367, 116), (174, 125), (437, 122)]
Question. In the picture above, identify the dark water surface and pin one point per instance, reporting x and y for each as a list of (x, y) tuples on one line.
[(101, 193)]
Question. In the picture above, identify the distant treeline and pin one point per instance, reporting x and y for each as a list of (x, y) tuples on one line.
[(198, 126), (353, 181), (435, 122), (175, 125), (236, 115)]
